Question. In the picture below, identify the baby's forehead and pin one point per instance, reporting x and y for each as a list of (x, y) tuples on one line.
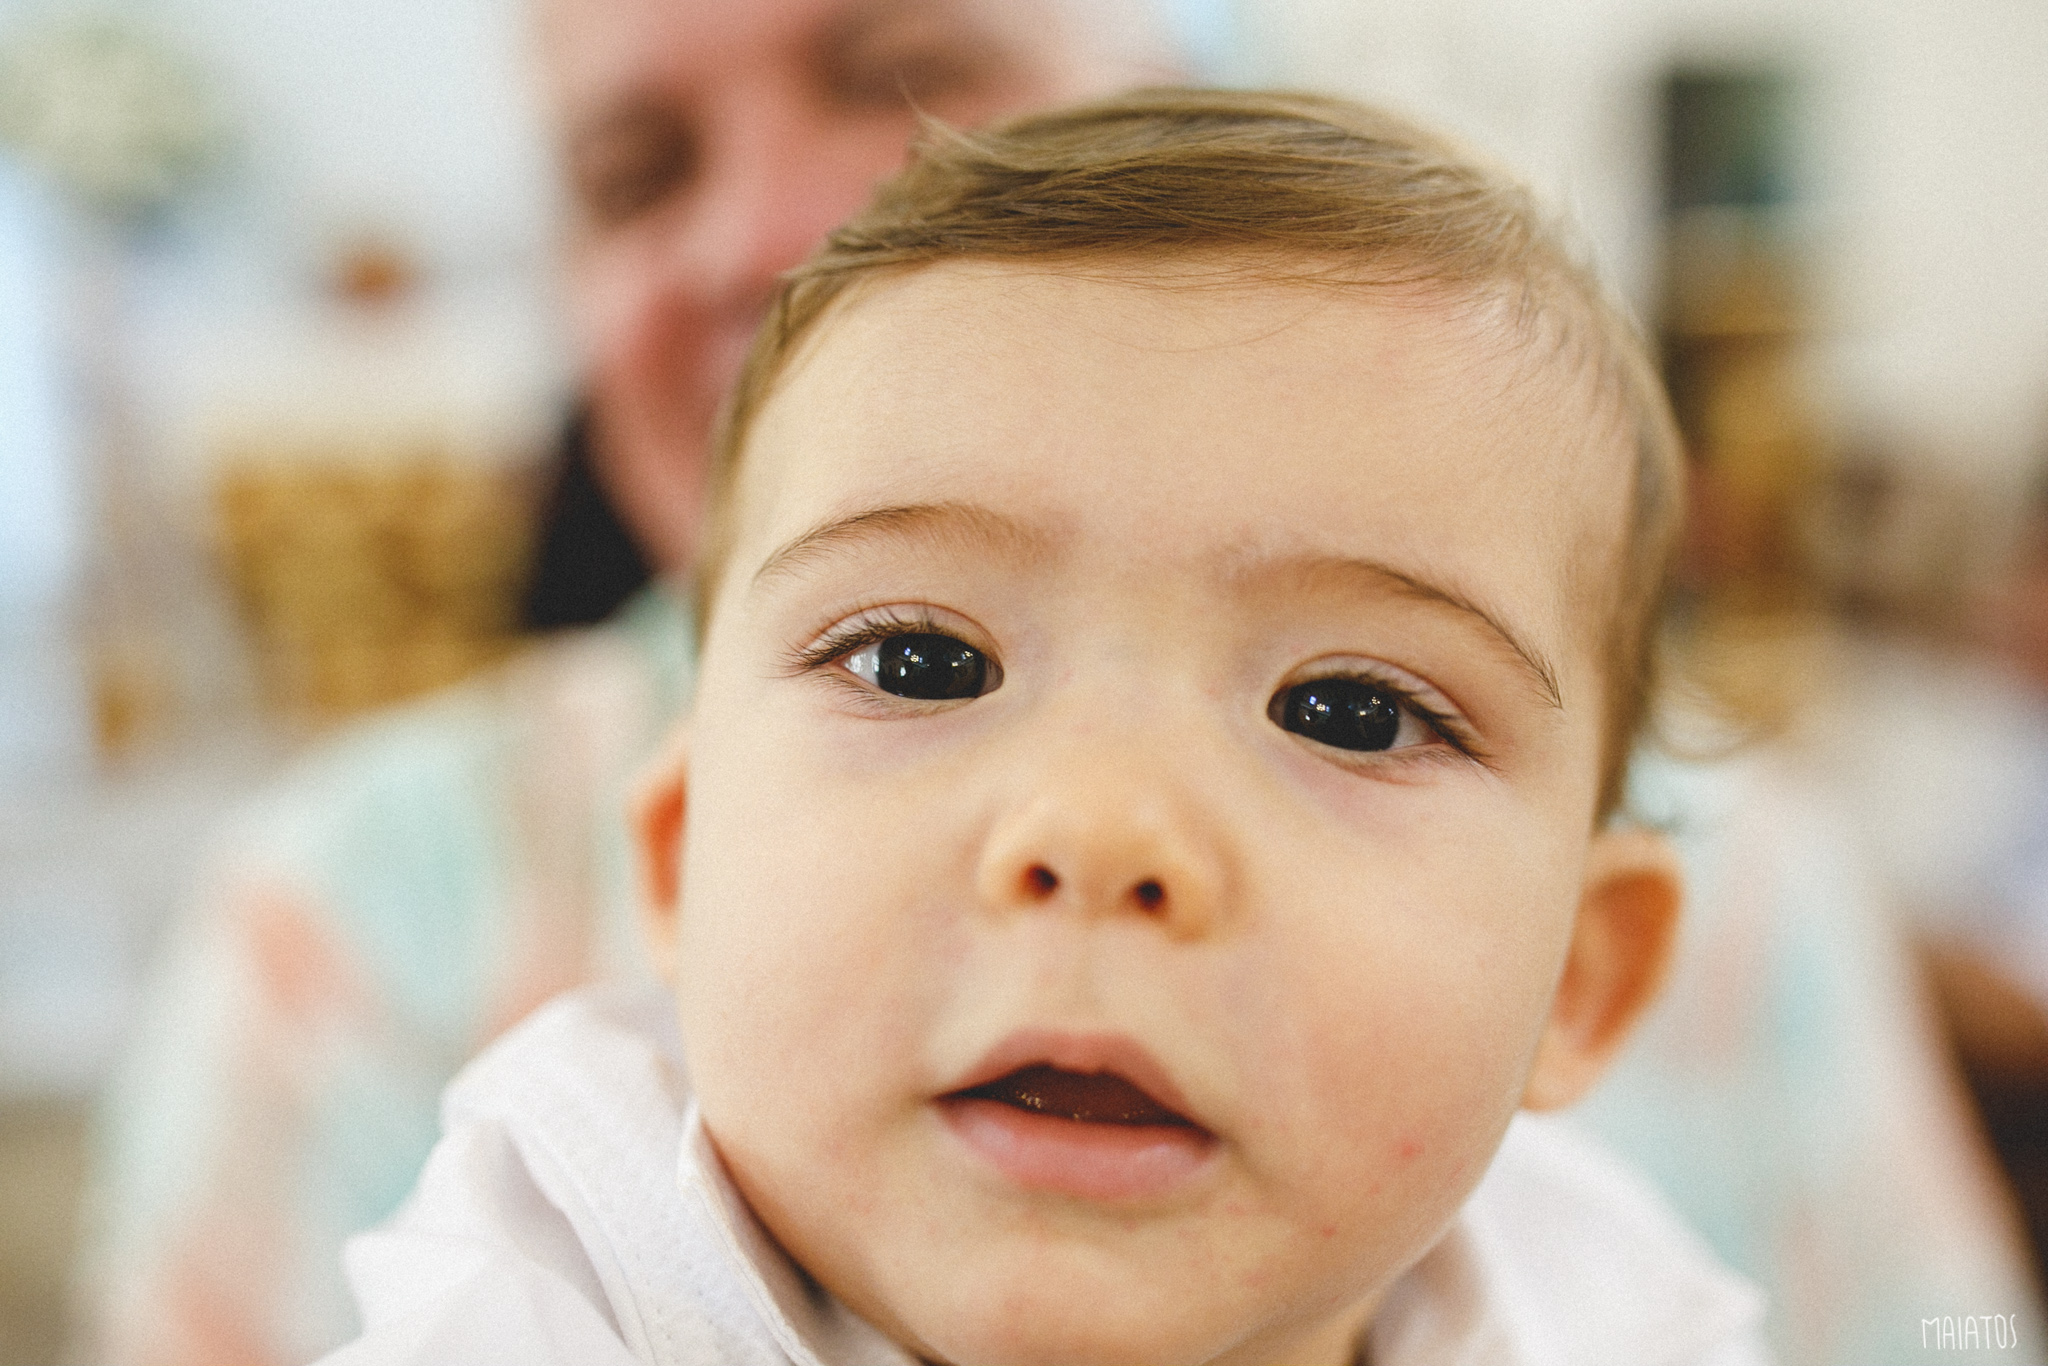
[(1170, 381), (1487, 346), (899, 345)]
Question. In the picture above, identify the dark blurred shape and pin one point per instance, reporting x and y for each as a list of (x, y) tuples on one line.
[(1725, 139), (1999, 1032), (1735, 319), (585, 565)]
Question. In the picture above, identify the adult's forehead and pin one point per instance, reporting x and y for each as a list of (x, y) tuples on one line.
[(590, 49), (596, 50)]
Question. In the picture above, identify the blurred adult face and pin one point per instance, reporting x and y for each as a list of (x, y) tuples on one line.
[(709, 144)]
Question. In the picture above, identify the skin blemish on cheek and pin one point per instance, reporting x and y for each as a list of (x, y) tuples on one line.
[(1328, 1230), (1408, 1149)]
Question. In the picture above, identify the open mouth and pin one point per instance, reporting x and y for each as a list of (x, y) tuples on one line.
[(1095, 1135), (1084, 1097)]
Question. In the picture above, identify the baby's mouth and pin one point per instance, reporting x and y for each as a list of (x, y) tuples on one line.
[(1085, 1097), (1091, 1135)]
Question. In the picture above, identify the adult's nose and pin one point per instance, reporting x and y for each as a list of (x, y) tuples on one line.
[(1107, 831)]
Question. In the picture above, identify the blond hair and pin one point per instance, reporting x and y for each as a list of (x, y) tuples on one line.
[(1282, 188)]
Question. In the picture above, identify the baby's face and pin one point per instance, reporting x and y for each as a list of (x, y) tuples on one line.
[(1137, 801)]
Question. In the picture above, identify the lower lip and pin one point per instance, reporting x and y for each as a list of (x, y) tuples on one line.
[(1108, 1162)]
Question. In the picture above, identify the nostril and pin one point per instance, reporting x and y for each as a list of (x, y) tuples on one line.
[(1042, 879), (1150, 894)]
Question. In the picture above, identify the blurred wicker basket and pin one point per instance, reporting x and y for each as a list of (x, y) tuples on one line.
[(365, 575)]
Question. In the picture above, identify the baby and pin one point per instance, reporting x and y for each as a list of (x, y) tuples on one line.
[(1178, 608)]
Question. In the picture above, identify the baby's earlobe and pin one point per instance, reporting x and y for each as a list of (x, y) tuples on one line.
[(657, 813), (1620, 954)]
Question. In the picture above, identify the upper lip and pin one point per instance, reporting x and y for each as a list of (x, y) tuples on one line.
[(1078, 1052)]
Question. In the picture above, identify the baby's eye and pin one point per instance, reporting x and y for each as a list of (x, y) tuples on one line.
[(923, 665), (1349, 713)]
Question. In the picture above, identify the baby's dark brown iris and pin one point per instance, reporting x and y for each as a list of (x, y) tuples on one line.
[(1345, 713), (931, 667)]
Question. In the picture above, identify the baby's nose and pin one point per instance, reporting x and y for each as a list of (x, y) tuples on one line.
[(1105, 849)]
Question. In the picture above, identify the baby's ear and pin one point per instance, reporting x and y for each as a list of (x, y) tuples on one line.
[(1620, 949), (656, 813)]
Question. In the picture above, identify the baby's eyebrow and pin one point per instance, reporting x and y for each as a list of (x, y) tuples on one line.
[(958, 523), (1380, 576)]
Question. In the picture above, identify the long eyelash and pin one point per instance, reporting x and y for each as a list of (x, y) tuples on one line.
[(867, 630), (1454, 732)]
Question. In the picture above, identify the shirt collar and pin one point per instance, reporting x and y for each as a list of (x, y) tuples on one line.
[(810, 1326)]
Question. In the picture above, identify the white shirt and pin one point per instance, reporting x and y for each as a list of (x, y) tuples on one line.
[(575, 1212)]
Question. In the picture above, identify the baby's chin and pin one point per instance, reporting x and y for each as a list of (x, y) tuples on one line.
[(1071, 1300), (1028, 1326)]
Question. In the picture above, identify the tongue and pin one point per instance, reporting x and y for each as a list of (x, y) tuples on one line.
[(1090, 1097)]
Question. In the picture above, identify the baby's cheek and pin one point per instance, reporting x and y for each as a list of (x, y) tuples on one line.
[(1387, 1069), (1408, 1133), (818, 995)]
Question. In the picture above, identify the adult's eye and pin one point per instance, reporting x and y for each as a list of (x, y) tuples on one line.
[(629, 163), (1347, 713), (923, 665)]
